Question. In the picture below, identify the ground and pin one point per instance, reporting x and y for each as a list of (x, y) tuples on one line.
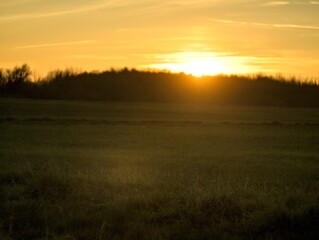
[(96, 170)]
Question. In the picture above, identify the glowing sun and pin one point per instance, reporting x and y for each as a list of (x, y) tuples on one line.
[(200, 67), (195, 63)]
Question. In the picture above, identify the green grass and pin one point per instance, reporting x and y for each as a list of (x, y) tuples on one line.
[(87, 170)]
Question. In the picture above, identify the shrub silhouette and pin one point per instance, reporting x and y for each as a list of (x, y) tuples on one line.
[(150, 86), (15, 81)]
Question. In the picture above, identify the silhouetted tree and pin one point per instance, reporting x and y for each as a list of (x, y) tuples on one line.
[(3, 82), (17, 79), (2, 78), (19, 74), (149, 86)]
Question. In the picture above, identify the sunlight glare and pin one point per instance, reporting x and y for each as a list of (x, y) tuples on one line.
[(199, 63), (200, 67)]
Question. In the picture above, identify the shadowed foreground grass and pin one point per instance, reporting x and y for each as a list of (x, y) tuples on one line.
[(139, 171)]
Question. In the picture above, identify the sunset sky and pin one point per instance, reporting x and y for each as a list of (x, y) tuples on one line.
[(196, 36)]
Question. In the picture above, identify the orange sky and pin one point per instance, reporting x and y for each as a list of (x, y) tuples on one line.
[(199, 37)]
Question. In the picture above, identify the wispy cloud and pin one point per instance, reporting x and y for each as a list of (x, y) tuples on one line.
[(230, 62), (59, 44), (276, 25), (296, 26), (88, 56), (15, 17), (16, 2), (276, 3), (79, 9), (283, 3), (306, 2)]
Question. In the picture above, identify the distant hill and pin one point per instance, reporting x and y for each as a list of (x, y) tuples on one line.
[(150, 86)]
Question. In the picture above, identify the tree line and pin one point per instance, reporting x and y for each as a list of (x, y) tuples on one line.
[(159, 86)]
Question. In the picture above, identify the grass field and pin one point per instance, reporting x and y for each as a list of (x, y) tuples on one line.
[(88, 170)]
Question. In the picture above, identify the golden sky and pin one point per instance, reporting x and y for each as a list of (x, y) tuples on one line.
[(196, 36)]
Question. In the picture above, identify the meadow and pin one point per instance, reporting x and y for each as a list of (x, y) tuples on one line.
[(100, 170)]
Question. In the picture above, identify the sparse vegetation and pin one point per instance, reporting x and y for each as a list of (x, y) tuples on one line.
[(96, 170)]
